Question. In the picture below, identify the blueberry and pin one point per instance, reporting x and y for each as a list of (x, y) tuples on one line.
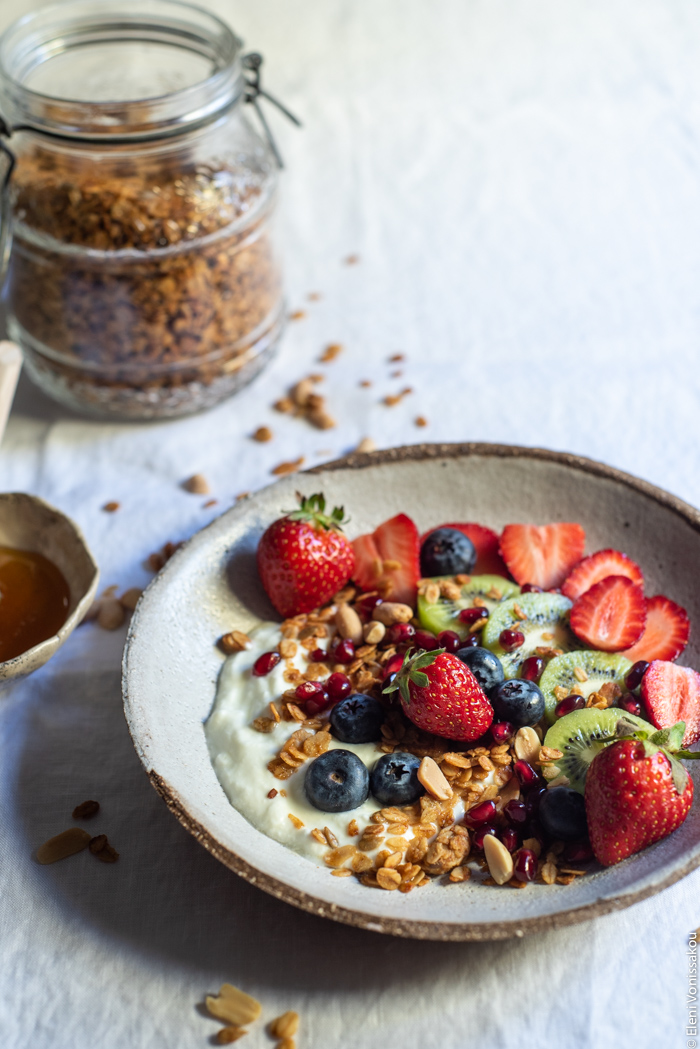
[(394, 779), (518, 701), (357, 719), (446, 551), (486, 668), (337, 781), (562, 814)]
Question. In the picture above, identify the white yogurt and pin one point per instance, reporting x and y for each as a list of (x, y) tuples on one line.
[(240, 754)]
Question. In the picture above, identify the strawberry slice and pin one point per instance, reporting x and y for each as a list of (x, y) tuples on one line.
[(596, 567), (666, 632), (387, 560), (543, 556), (488, 559), (670, 694), (611, 615)]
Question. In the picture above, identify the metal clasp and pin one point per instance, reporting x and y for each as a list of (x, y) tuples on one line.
[(5, 208), (252, 62)]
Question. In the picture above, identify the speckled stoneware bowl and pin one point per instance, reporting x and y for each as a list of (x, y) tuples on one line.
[(210, 586), (28, 523)]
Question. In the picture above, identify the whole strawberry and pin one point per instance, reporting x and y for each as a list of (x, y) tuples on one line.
[(304, 558), (637, 792), (441, 695)]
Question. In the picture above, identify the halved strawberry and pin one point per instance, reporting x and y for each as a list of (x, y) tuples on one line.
[(666, 632), (542, 555), (596, 567), (387, 560), (611, 615), (671, 693), (488, 559)]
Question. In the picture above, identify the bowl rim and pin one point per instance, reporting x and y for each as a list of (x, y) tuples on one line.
[(416, 928), (16, 666)]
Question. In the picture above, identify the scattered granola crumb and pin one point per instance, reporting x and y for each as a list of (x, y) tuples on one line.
[(365, 383), (397, 357), (209, 502), (67, 843), (297, 315), (99, 846), (227, 1035), (110, 615), (395, 398), (333, 350), (289, 467), (286, 1025), (86, 810), (314, 296), (110, 507), (396, 375), (284, 405), (272, 793), (262, 434), (366, 445), (157, 560), (295, 820), (234, 641), (130, 598), (320, 418), (233, 1006), (351, 260), (421, 421), (242, 495), (196, 484)]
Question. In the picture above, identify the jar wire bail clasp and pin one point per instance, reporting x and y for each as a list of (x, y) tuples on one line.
[(252, 63), (5, 219)]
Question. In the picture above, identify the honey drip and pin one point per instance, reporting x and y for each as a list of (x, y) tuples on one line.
[(34, 600)]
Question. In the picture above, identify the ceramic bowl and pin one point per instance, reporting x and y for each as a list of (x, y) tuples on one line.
[(28, 523), (211, 586)]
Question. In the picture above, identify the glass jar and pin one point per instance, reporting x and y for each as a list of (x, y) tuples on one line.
[(142, 279)]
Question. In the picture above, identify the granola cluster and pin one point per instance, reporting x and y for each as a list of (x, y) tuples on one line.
[(405, 847)]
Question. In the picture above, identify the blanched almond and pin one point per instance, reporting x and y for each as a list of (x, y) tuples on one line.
[(499, 859), (527, 745), (390, 612), (348, 624), (234, 1006), (430, 775)]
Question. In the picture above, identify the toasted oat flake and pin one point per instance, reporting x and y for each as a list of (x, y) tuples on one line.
[(341, 872), (295, 821), (297, 315), (233, 1005), (458, 874), (111, 507), (234, 641), (580, 674), (388, 878), (262, 434), (560, 693), (289, 467), (330, 838), (333, 350), (227, 1035)]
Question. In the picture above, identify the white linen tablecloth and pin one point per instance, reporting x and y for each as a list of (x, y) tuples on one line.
[(520, 181)]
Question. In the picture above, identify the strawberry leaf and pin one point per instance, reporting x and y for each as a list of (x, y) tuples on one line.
[(680, 775)]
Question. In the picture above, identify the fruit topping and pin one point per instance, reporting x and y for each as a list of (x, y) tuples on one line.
[(480, 814), (562, 814), (502, 731), (634, 678), (486, 668), (532, 668), (637, 792), (631, 705), (425, 640), (665, 634), (481, 833), (394, 779), (467, 611), (671, 693), (486, 542), (357, 719), (446, 551), (611, 615), (583, 672), (337, 686), (597, 567), (527, 777), (400, 633), (343, 651), (304, 558), (582, 734), (265, 663), (568, 704), (441, 695), (515, 812), (542, 555), (387, 560), (525, 865), (517, 701), (510, 838), (337, 781), (509, 640), (449, 640), (542, 619)]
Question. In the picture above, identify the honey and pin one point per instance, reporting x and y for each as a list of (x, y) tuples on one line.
[(34, 600)]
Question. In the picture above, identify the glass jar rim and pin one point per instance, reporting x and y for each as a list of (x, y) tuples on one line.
[(61, 28)]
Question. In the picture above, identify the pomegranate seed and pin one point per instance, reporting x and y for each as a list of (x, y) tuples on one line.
[(532, 668), (448, 640), (309, 690), (525, 865), (630, 704), (635, 675), (265, 663), (510, 838), (473, 615), (502, 731), (578, 852), (515, 812), (525, 773), (480, 814), (312, 707), (338, 686), (365, 606), (400, 633), (424, 639), (569, 703), (319, 656), (530, 588), (511, 639), (393, 665), (344, 651), (480, 834), (470, 641)]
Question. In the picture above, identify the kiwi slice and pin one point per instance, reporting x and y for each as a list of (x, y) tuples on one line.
[(443, 614), (581, 735), (546, 626), (598, 667)]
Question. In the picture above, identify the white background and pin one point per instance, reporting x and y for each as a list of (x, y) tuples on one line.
[(521, 183)]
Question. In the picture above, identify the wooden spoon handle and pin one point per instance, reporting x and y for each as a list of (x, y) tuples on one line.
[(10, 365)]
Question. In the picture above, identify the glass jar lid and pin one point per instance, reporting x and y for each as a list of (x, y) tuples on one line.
[(135, 69)]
